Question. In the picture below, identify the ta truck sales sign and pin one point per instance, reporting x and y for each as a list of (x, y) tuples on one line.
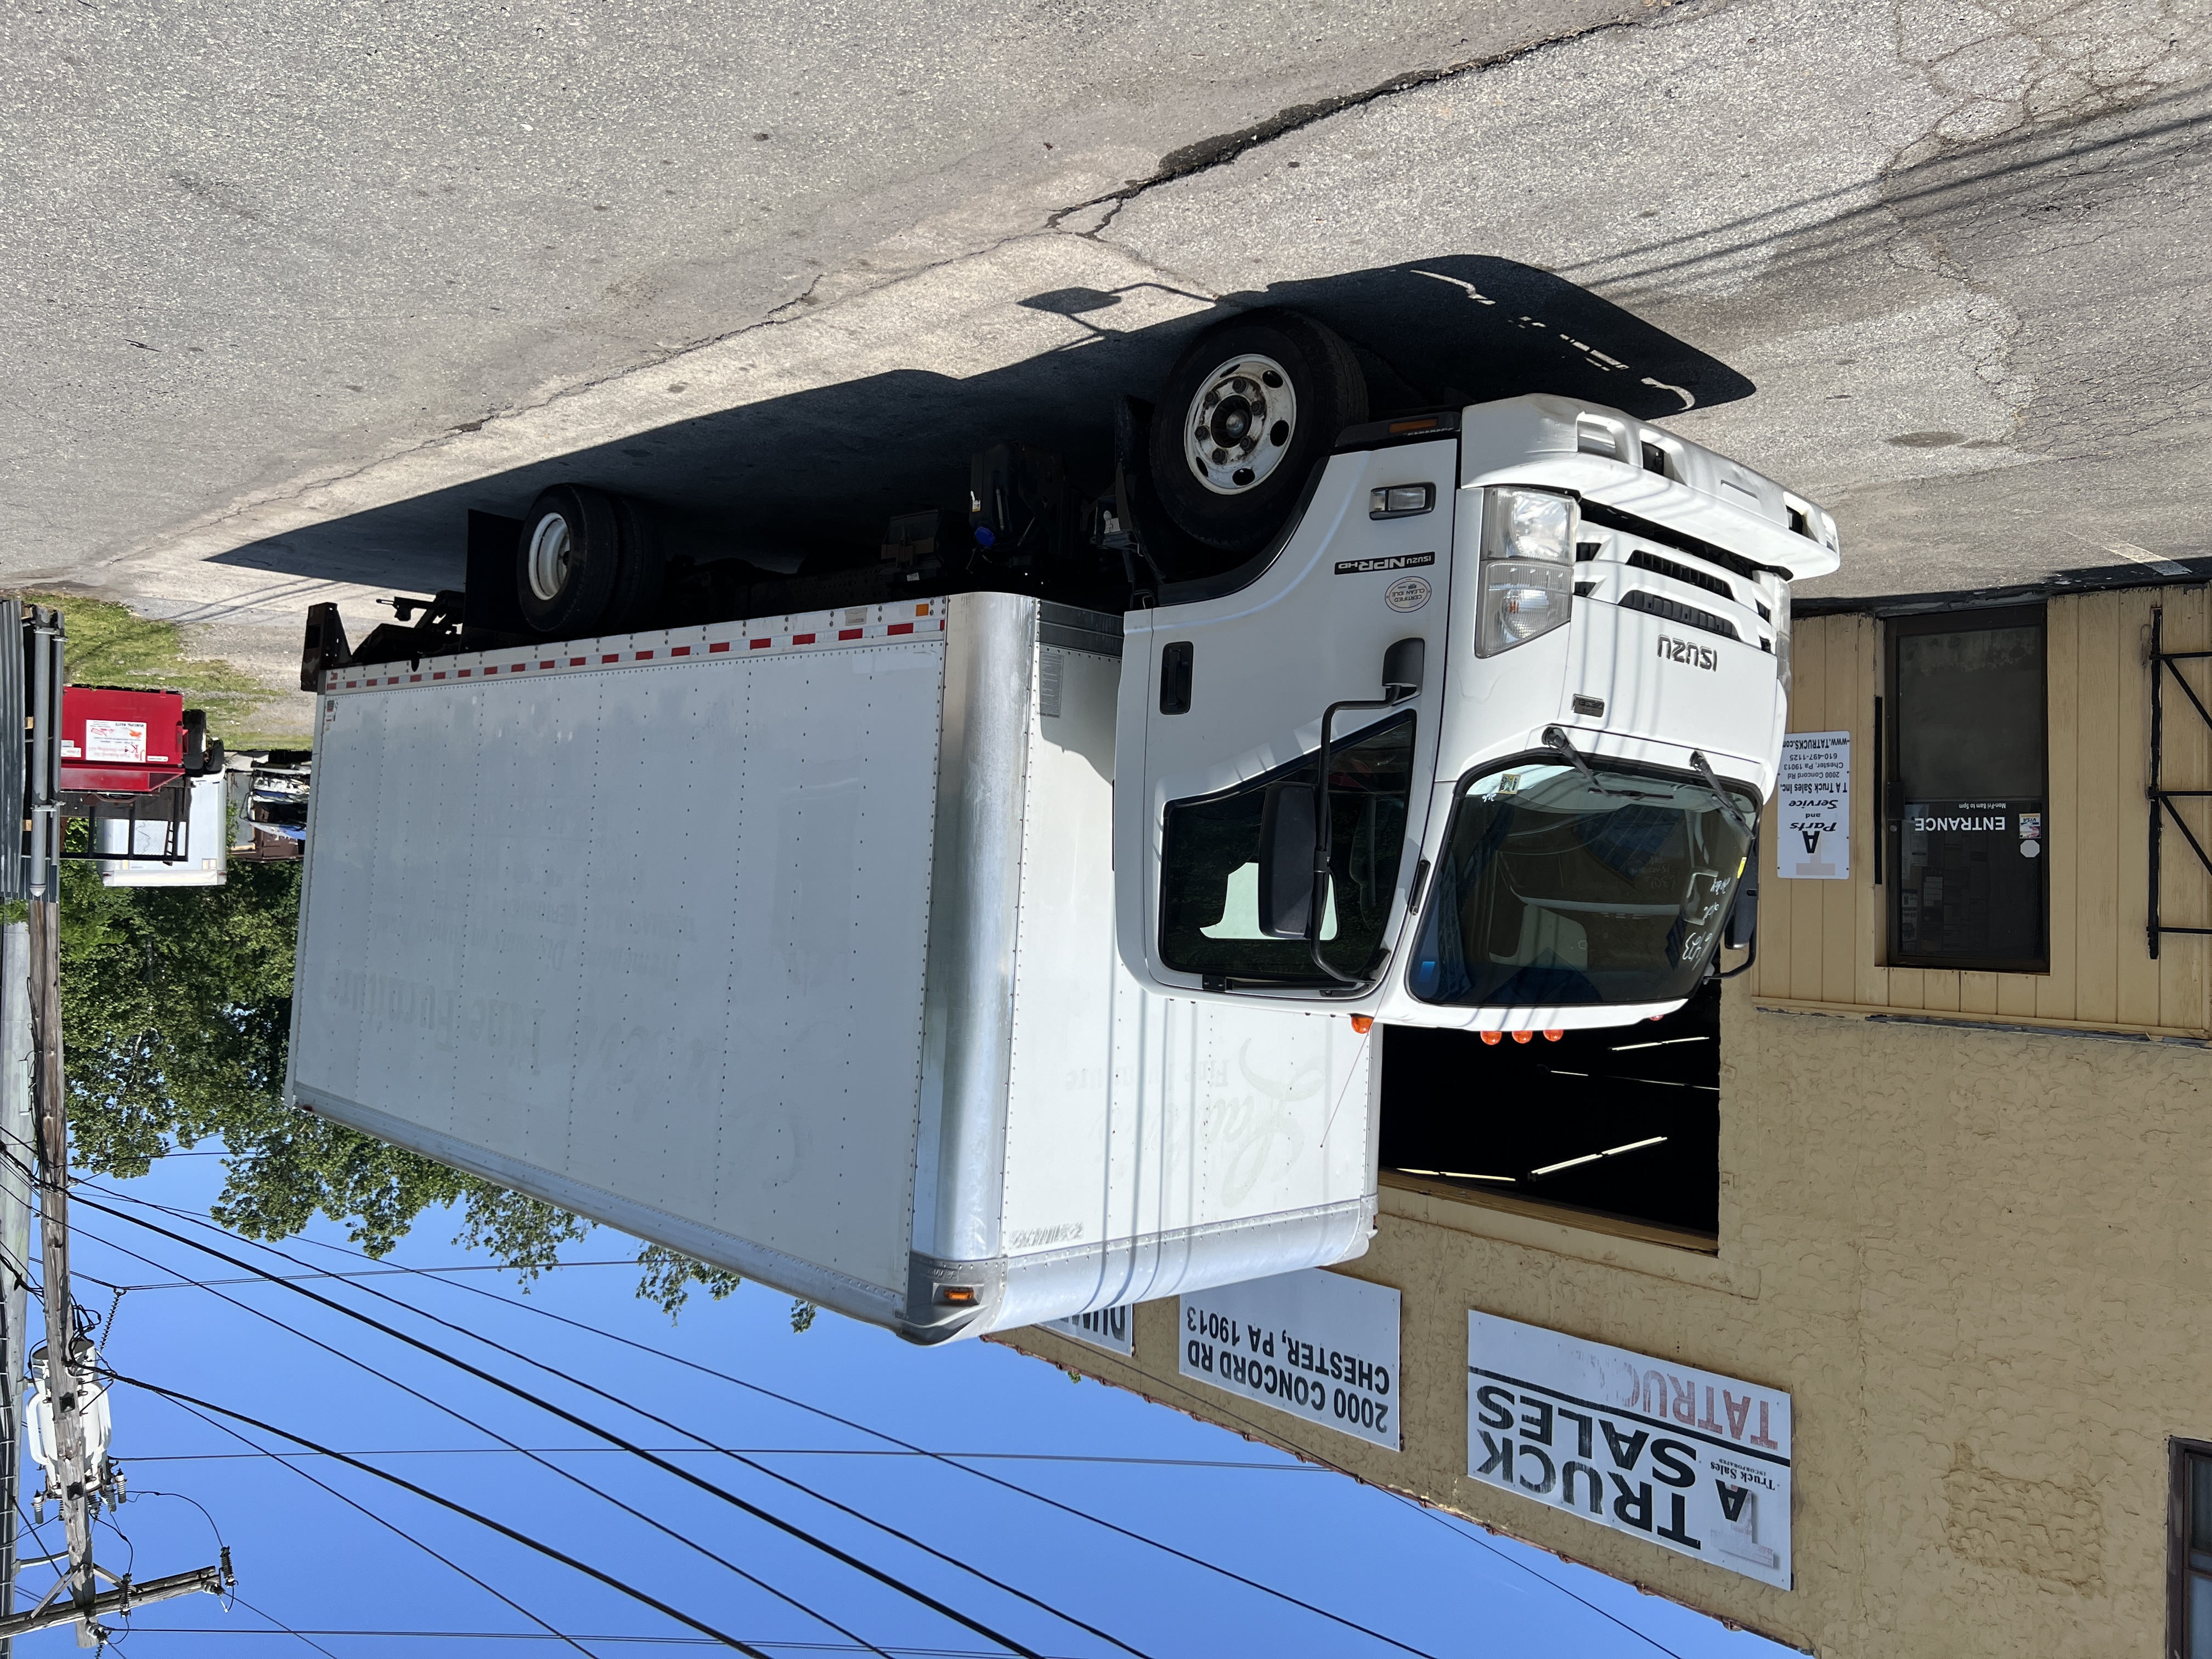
[(1317, 1344), (1686, 1458)]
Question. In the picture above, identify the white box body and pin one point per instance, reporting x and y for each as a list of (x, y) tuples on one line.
[(203, 847), (789, 944)]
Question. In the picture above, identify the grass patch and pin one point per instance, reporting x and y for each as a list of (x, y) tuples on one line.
[(108, 646)]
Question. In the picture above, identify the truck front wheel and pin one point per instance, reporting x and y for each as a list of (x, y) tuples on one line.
[(567, 561), (1246, 411)]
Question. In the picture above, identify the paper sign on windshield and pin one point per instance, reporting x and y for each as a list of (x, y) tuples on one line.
[(1813, 807), (1688, 1459)]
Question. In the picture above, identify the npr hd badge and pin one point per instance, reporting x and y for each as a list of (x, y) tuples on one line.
[(1407, 593)]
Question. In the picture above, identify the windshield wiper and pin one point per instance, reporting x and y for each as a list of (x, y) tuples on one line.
[(1557, 740), (1727, 801)]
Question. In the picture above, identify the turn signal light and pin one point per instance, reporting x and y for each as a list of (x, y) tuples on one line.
[(958, 1295), (1491, 1039), (1363, 1024)]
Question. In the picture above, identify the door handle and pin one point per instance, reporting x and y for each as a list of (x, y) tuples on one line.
[(1175, 677)]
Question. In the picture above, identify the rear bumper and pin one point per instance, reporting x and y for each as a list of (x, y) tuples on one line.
[(1026, 1290)]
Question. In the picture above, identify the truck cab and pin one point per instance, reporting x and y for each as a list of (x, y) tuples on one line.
[(1480, 739)]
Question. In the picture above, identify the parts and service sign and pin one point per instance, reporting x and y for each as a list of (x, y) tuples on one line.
[(1317, 1344), (1690, 1459), (1813, 807)]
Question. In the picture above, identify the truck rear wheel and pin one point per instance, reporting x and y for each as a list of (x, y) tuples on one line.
[(567, 561), (638, 577), (1247, 410)]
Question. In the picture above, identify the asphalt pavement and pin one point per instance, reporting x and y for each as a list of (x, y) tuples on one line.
[(294, 285)]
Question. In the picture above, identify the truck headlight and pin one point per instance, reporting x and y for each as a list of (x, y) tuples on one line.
[(1775, 589), (1527, 566)]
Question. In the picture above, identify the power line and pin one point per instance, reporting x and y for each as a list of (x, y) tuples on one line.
[(395, 1531), (588, 1427), (1182, 1555), (764, 1451), (364, 1273), (1208, 1403), (499, 1527), (1201, 1403), (282, 1629), (758, 1469), (1205, 1403), (527, 1636), (904, 1537), (437, 1405)]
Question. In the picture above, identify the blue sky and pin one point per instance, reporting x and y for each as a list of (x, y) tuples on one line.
[(308, 1560)]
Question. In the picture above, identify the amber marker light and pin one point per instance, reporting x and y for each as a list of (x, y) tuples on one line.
[(1363, 1024), (1554, 1034), (1524, 1036), (1491, 1039)]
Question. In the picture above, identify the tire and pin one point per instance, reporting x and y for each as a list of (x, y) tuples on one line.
[(567, 561), (638, 575), (1248, 409)]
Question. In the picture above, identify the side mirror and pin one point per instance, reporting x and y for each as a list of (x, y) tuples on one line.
[(1401, 669), (1288, 840), (1741, 931)]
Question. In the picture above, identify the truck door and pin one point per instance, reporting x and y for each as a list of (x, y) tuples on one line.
[(1234, 684)]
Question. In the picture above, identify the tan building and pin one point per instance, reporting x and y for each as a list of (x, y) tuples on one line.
[(1958, 1167)]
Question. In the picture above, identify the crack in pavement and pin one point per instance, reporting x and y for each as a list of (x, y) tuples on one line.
[(1208, 153)]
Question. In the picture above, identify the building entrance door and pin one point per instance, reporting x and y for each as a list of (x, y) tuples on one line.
[(1967, 792)]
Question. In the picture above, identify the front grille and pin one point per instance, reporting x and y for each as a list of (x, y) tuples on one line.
[(1612, 518), (1673, 610), (1681, 573)]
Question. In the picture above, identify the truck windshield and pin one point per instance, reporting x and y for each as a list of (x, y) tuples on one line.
[(1209, 865), (1552, 891)]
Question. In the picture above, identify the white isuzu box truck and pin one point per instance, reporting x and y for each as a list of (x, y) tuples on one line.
[(992, 932)]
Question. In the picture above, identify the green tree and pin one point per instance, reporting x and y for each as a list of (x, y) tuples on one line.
[(176, 1010)]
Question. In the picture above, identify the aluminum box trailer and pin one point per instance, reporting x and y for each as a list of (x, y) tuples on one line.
[(789, 944)]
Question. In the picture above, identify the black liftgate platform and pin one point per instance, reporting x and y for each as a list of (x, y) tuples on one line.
[(2162, 663)]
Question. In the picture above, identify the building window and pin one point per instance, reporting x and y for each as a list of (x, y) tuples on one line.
[(1623, 1122), (1966, 791), (2188, 1574)]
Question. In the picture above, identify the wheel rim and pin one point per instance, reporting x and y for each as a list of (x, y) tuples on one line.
[(551, 547), (1240, 424)]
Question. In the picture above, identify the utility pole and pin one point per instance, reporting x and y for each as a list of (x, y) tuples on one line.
[(67, 1378), (78, 1472), (18, 1155)]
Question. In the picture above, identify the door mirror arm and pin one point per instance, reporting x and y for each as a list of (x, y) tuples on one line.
[(1403, 665)]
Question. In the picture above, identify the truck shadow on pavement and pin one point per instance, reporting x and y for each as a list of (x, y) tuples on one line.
[(817, 474)]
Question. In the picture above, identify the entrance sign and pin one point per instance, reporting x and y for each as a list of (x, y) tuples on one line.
[(1109, 1328), (1690, 1459), (1317, 1344), (1813, 807)]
